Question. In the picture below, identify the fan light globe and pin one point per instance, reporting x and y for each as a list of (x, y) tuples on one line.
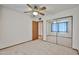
[(35, 13)]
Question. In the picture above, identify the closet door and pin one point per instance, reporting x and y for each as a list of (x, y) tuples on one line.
[(64, 35), (34, 30), (51, 31)]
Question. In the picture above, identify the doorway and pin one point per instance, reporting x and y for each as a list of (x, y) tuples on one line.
[(37, 30), (40, 30), (34, 30)]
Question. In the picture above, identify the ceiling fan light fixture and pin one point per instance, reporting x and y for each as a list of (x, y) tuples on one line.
[(35, 13)]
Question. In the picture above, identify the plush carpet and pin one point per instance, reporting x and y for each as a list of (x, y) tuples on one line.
[(38, 47)]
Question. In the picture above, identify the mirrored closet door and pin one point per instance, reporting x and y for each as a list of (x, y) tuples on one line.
[(60, 31)]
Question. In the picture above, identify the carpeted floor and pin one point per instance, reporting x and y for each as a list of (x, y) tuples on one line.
[(38, 47)]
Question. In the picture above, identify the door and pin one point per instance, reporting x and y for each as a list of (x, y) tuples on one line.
[(40, 29), (34, 30)]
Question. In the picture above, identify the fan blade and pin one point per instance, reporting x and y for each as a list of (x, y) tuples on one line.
[(43, 8), (27, 11), (29, 6), (41, 13), (35, 7)]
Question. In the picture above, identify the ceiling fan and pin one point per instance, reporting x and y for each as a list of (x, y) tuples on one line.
[(36, 10)]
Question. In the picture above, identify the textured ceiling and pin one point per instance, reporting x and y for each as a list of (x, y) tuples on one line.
[(51, 8)]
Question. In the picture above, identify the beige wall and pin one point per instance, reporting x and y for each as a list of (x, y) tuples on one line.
[(15, 27)]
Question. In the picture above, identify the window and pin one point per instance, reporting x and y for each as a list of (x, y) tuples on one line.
[(63, 27), (59, 27), (54, 27)]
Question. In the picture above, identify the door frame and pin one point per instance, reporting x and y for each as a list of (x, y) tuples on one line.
[(42, 29)]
